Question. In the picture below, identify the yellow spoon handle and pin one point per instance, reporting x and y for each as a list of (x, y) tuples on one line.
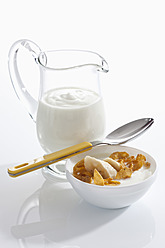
[(45, 160)]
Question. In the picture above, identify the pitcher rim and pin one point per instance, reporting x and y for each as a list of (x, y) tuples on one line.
[(102, 67)]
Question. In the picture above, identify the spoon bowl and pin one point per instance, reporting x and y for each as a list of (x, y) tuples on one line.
[(129, 131)]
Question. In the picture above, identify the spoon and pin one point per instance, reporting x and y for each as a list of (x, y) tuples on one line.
[(119, 136)]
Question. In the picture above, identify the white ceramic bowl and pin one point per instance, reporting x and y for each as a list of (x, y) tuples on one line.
[(111, 197)]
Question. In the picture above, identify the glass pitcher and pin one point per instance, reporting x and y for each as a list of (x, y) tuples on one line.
[(69, 108)]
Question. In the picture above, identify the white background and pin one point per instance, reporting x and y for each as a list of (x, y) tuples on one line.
[(129, 34)]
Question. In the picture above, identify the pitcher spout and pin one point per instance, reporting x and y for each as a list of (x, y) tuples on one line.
[(104, 66)]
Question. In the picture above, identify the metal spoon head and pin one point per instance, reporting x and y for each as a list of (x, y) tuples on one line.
[(129, 131)]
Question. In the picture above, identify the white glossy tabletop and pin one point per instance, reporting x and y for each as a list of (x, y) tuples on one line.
[(35, 212)]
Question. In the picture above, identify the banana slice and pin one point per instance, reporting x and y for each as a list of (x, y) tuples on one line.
[(114, 163), (104, 168)]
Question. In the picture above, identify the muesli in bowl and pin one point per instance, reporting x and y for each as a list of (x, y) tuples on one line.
[(111, 176)]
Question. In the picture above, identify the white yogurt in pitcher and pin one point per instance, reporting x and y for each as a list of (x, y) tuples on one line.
[(67, 116)]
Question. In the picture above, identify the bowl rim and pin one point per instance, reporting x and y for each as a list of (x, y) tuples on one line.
[(118, 187)]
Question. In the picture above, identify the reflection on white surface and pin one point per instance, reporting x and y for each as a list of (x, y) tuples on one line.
[(55, 215)]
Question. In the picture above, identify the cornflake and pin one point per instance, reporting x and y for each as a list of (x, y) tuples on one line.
[(98, 179)]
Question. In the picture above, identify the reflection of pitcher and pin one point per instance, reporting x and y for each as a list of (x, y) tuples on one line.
[(70, 108), (62, 219)]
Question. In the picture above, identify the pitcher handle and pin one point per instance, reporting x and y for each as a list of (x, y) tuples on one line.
[(30, 103)]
